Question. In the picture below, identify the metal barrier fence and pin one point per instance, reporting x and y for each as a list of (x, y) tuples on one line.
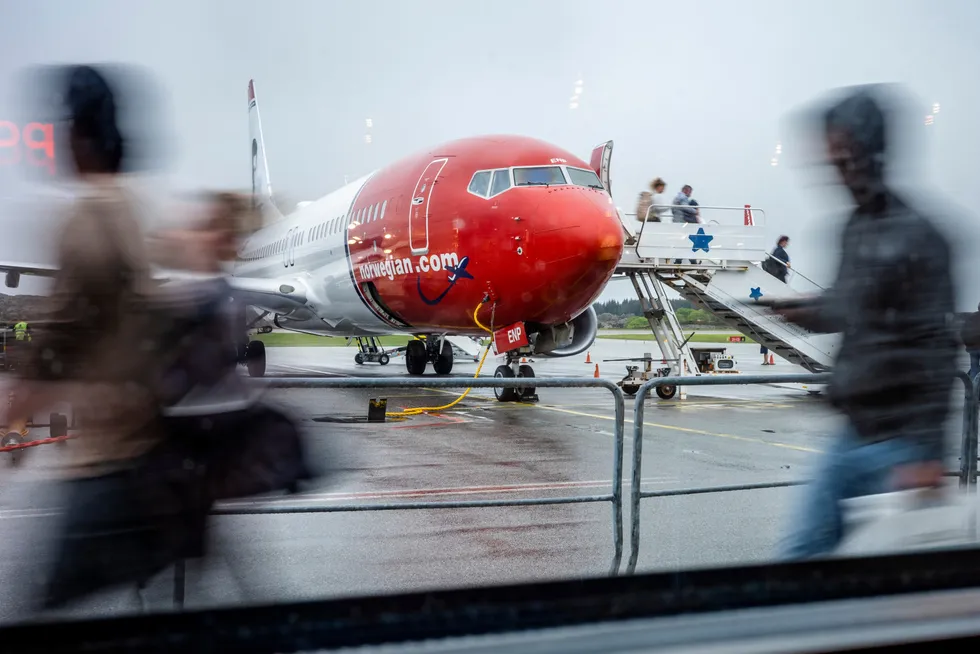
[(968, 458), (279, 507)]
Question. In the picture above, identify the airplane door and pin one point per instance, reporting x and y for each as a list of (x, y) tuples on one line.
[(289, 251), (601, 157), (418, 217)]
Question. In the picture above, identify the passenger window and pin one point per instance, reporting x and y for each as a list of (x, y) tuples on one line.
[(384, 205), (480, 183), (581, 177), (501, 182), (374, 214), (538, 176)]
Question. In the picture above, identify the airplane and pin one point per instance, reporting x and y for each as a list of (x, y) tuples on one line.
[(506, 236)]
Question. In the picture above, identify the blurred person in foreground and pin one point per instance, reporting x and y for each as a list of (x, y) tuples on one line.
[(247, 447), (893, 299), (94, 354)]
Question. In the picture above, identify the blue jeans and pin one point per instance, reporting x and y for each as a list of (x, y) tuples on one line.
[(849, 468), (974, 364)]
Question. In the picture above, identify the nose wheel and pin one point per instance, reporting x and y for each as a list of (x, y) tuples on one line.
[(520, 393)]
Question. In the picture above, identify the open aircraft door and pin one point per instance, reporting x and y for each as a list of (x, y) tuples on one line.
[(601, 156)]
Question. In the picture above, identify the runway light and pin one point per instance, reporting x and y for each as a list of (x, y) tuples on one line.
[(935, 108), (929, 120), (368, 123)]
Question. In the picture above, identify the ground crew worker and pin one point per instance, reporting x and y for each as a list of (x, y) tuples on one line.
[(20, 332)]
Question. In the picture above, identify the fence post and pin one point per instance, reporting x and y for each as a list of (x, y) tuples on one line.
[(619, 440)]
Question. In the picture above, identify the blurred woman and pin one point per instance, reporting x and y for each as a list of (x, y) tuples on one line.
[(94, 354)]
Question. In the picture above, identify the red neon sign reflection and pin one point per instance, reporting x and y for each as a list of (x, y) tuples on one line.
[(32, 144)]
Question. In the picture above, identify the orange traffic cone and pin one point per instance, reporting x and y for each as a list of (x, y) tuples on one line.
[(588, 356), (596, 375), (772, 359), (523, 359)]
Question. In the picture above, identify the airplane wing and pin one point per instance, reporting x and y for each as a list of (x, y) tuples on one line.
[(33, 269), (274, 295), (280, 296)]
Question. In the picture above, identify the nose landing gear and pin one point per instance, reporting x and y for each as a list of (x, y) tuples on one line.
[(514, 368)]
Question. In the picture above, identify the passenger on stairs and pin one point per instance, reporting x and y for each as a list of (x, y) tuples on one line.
[(659, 201), (685, 210), (777, 264)]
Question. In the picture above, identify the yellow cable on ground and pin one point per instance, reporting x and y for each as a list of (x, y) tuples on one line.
[(414, 411)]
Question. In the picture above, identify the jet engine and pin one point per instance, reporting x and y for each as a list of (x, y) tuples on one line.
[(567, 339)]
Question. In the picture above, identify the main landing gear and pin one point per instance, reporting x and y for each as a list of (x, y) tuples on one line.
[(514, 368), (419, 352), (252, 356)]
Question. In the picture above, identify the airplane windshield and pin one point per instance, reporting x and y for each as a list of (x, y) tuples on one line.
[(538, 176), (582, 177)]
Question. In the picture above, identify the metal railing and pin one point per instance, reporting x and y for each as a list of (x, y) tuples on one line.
[(968, 458), (646, 219), (279, 507)]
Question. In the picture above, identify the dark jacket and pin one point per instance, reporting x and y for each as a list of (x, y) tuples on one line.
[(893, 299)]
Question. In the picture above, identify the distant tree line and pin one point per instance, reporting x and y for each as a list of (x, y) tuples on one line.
[(626, 314)]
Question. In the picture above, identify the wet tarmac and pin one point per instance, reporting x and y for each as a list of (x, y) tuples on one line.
[(478, 449)]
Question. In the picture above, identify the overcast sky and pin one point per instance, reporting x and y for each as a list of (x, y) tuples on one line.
[(696, 91)]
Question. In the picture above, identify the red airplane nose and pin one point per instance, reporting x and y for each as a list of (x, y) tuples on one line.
[(574, 242)]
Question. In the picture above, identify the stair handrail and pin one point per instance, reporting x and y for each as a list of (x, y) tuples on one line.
[(639, 235), (790, 270)]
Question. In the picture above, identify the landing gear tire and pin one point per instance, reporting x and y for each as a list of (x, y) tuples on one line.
[(526, 392), (415, 357), (255, 357), (358, 358), (505, 394), (666, 392), (443, 363), (384, 359)]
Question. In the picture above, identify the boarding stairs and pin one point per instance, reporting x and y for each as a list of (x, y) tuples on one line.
[(726, 278)]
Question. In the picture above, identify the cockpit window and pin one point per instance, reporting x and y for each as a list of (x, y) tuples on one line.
[(480, 183), (581, 177), (501, 181), (538, 176)]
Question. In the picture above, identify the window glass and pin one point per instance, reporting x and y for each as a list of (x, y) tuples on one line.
[(501, 181), (581, 177), (480, 183), (538, 176), (384, 205)]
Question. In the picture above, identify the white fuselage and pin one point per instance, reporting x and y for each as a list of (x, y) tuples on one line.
[(310, 245)]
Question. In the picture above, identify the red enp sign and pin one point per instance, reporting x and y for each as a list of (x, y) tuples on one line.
[(32, 144), (509, 338)]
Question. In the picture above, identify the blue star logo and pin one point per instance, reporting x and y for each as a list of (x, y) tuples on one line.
[(755, 293), (700, 240)]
